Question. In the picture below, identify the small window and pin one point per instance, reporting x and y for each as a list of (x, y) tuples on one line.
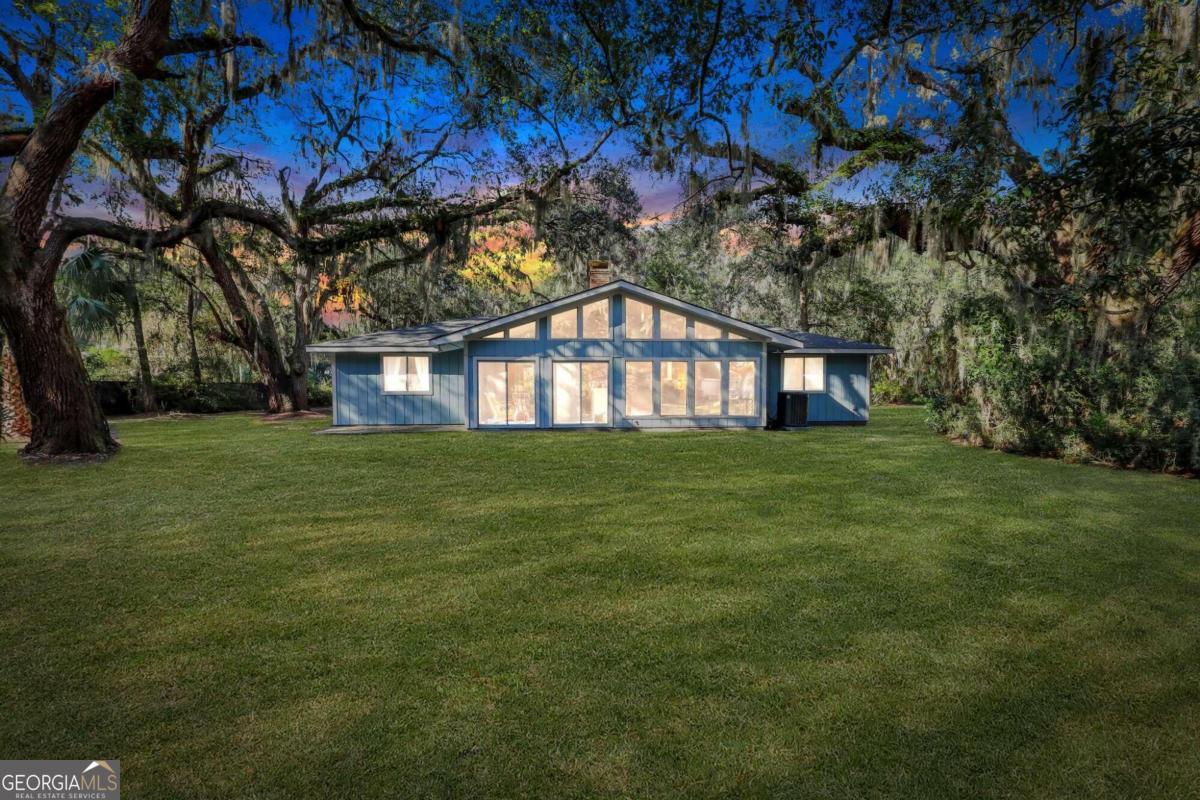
[(405, 374), (639, 319), (639, 388), (803, 373), (743, 388), (672, 325), (526, 331), (703, 330), (595, 320), (496, 335), (733, 335), (707, 401), (565, 324), (672, 388)]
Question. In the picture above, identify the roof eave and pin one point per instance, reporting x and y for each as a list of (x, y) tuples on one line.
[(329, 349)]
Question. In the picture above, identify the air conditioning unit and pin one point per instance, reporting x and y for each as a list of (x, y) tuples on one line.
[(793, 409)]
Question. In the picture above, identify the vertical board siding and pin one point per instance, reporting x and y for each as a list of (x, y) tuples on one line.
[(361, 401), (847, 394)]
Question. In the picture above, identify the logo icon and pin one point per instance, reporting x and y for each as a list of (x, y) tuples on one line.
[(98, 779)]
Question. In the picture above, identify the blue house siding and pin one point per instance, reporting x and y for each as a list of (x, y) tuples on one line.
[(359, 397), (545, 351), (847, 394)]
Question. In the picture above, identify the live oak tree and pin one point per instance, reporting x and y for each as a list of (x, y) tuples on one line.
[(34, 238)]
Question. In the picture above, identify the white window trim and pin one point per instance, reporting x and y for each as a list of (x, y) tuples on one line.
[(382, 373), (824, 375)]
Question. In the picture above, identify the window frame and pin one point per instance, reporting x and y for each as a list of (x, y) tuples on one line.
[(721, 384), (576, 312), (406, 356), (653, 320), (625, 388), (608, 423), (757, 387), (475, 384), (536, 333), (803, 373), (687, 376)]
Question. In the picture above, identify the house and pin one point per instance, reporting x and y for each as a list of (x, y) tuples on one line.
[(617, 355)]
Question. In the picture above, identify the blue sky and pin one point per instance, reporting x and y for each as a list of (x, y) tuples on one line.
[(281, 123)]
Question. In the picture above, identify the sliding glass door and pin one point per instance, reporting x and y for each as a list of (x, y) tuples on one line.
[(581, 393), (506, 391)]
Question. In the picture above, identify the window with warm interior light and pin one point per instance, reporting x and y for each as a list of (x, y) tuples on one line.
[(671, 325), (406, 374), (672, 388), (804, 373), (565, 324), (639, 388), (702, 330), (506, 392), (639, 319), (525, 331), (743, 389), (595, 320), (707, 402), (581, 393)]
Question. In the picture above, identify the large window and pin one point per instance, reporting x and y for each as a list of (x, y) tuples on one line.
[(707, 402), (406, 374), (671, 325), (506, 392), (743, 389), (803, 373), (639, 388), (672, 388), (595, 320), (581, 393), (639, 319)]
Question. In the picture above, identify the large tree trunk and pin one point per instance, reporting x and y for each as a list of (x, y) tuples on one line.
[(299, 361), (256, 335), (147, 400), (65, 414)]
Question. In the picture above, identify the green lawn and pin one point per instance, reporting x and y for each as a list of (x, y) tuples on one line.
[(237, 609)]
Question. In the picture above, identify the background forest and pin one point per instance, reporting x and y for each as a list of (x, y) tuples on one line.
[(1007, 193)]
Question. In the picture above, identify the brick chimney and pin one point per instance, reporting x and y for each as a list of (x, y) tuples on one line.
[(599, 273)]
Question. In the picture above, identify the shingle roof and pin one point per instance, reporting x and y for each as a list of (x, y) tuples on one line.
[(414, 338), (818, 341)]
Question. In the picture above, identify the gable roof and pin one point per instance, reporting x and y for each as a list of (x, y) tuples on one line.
[(450, 334), (613, 287)]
